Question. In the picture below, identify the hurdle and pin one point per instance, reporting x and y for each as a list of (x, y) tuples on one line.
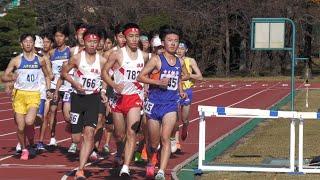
[(210, 111)]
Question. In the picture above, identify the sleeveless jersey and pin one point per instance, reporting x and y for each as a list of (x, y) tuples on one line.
[(189, 83), (170, 94), (128, 72), (28, 74), (57, 60), (88, 75)]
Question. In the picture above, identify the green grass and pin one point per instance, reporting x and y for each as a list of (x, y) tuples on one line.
[(271, 139)]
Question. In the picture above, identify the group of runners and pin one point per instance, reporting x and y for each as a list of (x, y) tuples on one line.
[(144, 83)]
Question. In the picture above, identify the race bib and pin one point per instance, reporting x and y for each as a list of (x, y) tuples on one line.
[(131, 75), (148, 106), (66, 97), (90, 83), (173, 81), (74, 117)]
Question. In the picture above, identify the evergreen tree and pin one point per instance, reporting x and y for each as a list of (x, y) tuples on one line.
[(18, 20)]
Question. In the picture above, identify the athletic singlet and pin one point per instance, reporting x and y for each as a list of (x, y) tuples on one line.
[(28, 74), (88, 75), (170, 94), (57, 60), (188, 83), (128, 72)]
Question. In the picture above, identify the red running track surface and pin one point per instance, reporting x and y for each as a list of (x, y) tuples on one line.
[(57, 164)]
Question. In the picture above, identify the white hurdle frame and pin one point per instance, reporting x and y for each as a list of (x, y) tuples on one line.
[(209, 111)]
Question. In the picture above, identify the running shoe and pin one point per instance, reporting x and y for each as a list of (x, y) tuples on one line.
[(32, 152), (24, 154), (124, 172), (154, 159), (184, 133), (137, 157), (73, 148), (53, 142), (93, 156), (80, 175), (106, 149), (160, 175), (144, 154), (40, 146), (178, 147), (150, 171), (173, 143), (18, 148)]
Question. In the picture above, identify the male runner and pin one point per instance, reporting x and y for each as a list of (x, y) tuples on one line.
[(120, 41), (80, 30), (59, 88), (127, 63), (195, 74), (47, 46), (164, 89), (26, 93), (86, 96)]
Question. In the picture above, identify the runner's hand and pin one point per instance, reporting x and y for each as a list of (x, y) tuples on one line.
[(163, 83), (104, 97), (55, 95), (49, 94), (119, 88), (183, 95), (80, 88)]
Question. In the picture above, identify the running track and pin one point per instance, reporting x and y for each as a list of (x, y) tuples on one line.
[(58, 165)]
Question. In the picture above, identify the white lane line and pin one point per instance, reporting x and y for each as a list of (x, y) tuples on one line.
[(7, 102), (267, 89), (208, 88), (221, 94), (8, 119), (1, 135), (4, 110)]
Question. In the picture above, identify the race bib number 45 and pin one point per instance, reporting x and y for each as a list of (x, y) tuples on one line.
[(173, 82), (148, 106)]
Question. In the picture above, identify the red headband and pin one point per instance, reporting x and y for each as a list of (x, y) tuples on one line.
[(127, 31), (91, 37), (82, 29)]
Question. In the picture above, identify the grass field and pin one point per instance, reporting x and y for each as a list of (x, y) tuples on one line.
[(271, 140)]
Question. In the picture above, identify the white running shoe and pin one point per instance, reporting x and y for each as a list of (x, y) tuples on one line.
[(160, 175), (18, 148), (53, 142), (72, 148), (124, 171), (173, 143), (93, 156)]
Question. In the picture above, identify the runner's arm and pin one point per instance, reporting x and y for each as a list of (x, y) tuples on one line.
[(185, 75), (147, 69), (197, 75), (72, 63), (8, 75), (46, 69), (105, 70)]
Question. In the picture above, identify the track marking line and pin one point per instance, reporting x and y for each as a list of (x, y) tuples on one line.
[(1, 135)]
